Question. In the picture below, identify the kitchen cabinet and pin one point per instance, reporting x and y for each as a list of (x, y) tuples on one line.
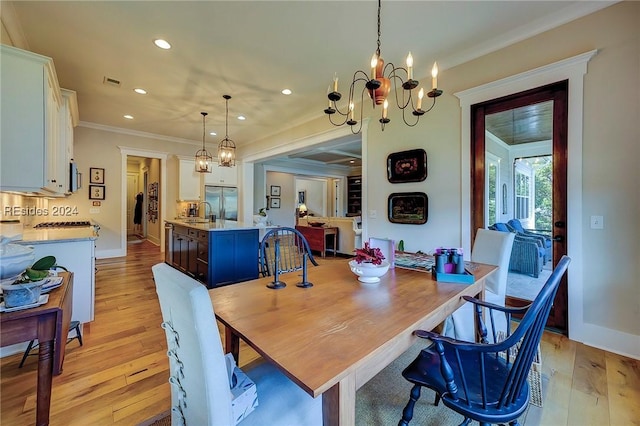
[(68, 119), (190, 252), (189, 181), (221, 176), (32, 146), (233, 256), (214, 258), (78, 256)]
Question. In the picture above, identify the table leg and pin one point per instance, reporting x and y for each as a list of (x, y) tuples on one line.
[(45, 375), (232, 344), (339, 403), (335, 247)]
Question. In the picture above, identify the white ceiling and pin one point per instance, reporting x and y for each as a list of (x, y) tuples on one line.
[(252, 50)]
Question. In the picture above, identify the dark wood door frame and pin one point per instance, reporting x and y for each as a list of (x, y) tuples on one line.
[(558, 93)]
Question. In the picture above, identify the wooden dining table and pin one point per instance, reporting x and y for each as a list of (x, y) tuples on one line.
[(49, 323), (334, 337)]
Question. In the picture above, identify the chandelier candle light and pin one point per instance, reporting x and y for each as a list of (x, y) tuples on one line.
[(227, 148), (203, 158), (378, 86)]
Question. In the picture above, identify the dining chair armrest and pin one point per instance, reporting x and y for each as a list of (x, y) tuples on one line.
[(489, 305), (491, 308)]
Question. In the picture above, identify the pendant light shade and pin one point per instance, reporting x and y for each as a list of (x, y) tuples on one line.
[(203, 158), (226, 147)]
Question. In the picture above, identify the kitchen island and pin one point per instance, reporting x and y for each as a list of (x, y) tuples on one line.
[(73, 248), (214, 253)]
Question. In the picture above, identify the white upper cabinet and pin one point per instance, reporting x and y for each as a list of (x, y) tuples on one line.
[(33, 147), (226, 176), (189, 185), (68, 119)]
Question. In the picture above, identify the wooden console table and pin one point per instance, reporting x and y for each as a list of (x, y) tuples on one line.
[(317, 237), (48, 323)]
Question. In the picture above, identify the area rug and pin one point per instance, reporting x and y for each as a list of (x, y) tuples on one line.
[(380, 402)]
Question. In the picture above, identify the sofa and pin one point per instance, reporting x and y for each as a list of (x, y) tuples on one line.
[(349, 230)]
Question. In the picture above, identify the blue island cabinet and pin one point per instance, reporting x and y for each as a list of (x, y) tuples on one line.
[(233, 256)]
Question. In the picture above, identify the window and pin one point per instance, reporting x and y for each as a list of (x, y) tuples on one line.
[(523, 186), (492, 181)]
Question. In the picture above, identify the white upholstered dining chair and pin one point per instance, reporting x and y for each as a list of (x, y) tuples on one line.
[(492, 248), (200, 384)]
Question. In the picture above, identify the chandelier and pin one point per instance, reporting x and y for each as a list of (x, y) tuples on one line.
[(203, 158), (226, 147), (378, 84)]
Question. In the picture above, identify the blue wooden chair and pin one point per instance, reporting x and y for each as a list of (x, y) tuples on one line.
[(292, 247), (479, 380)]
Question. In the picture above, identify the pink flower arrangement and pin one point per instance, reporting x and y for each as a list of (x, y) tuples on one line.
[(368, 254)]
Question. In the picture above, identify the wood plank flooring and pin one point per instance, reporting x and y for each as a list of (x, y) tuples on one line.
[(119, 376)]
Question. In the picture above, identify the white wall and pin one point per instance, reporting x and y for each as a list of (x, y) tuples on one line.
[(100, 147)]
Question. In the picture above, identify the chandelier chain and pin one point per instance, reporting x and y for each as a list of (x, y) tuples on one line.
[(379, 32)]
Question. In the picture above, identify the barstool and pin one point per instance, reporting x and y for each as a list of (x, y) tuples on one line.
[(74, 325)]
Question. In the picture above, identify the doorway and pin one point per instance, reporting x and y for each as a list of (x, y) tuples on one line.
[(510, 138)]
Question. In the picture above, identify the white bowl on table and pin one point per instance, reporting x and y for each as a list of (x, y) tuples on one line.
[(368, 272), (14, 259)]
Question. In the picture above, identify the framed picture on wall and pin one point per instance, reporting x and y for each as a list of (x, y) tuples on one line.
[(274, 203), (302, 195), (96, 192), (408, 207), (275, 190), (407, 166), (96, 175)]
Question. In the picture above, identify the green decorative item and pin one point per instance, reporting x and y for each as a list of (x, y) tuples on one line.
[(401, 245)]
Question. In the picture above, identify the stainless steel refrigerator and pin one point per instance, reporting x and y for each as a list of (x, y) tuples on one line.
[(223, 200)]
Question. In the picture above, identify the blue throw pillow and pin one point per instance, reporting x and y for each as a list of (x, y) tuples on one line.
[(501, 227)]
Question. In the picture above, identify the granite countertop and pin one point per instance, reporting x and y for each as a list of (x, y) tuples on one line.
[(53, 235), (225, 225)]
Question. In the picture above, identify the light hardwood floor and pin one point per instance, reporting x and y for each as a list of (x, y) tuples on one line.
[(119, 376)]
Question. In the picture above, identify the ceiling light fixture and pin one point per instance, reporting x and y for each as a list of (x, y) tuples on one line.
[(379, 87), (203, 158), (226, 147), (286, 91), (162, 44), (128, 116), (140, 91)]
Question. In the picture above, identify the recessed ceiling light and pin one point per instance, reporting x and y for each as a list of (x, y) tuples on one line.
[(242, 117), (286, 91), (213, 133), (140, 91), (162, 44), (352, 161), (128, 117)]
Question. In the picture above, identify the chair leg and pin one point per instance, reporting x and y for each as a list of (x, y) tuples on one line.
[(436, 400), (514, 423), (26, 353), (75, 325), (407, 413), (467, 420)]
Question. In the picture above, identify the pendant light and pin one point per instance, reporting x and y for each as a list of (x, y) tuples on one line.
[(203, 158), (226, 147)]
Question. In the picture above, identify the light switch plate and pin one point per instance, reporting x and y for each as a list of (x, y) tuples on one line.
[(94, 210), (597, 222)]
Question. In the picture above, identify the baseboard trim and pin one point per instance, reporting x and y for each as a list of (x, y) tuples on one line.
[(618, 342)]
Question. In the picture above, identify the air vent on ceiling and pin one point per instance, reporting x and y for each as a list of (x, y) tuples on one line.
[(111, 81)]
